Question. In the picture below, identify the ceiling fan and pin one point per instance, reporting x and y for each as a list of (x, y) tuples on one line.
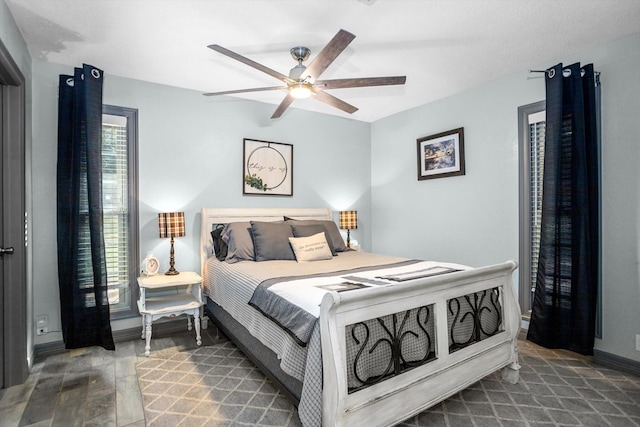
[(302, 81)]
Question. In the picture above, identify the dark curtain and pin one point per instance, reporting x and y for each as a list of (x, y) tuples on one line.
[(82, 270), (564, 305)]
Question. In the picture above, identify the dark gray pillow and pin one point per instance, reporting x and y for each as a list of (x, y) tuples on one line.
[(271, 240), (219, 245), (333, 234), (237, 236), (306, 230)]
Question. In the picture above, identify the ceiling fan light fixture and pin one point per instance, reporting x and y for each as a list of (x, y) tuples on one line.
[(300, 90)]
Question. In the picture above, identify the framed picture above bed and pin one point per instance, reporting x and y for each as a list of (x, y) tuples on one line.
[(441, 155), (267, 168)]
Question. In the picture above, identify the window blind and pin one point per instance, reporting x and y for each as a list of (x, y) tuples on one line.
[(536, 135), (115, 185)]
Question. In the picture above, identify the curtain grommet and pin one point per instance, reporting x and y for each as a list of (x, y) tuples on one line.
[(551, 73)]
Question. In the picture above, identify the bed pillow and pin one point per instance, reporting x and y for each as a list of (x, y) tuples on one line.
[(237, 236), (333, 234), (311, 248), (220, 248), (302, 230), (271, 240)]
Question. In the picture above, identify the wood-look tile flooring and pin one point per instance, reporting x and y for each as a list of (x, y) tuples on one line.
[(91, 386)]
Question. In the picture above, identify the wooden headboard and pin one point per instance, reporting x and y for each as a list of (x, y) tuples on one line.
[(212, 216)]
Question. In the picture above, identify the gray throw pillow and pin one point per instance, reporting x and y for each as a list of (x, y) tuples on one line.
[(219, 246), (333, 234), (237, 236), (271, 240)]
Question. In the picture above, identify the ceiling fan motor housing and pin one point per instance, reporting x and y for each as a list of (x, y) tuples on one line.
[(300, 54), (297, 71)]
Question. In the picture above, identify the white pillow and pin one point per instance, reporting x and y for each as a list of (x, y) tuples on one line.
[(312, 248)]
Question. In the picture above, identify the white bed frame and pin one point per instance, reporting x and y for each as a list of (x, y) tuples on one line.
[(402, 396)]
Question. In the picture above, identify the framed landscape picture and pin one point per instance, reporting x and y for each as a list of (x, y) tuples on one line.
[(267, 168), (441, 155)]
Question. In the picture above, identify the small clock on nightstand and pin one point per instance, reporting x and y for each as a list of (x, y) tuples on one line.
[(150, 265)]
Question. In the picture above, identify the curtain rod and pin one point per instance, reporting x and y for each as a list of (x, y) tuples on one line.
[(544, 71)]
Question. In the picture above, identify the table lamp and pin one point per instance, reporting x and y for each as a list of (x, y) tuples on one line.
[(348, 221), (171, 224)]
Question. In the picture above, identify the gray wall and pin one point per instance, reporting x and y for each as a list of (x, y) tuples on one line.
[(15, 44), (473, 219), (190, 156), (13, 41)]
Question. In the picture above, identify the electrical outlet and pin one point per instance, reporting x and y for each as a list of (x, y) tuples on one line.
[(42, 324), (42, 321), (638, 342)]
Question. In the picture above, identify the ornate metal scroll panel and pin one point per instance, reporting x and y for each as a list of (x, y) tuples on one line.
[(474, 317), (381, 348)]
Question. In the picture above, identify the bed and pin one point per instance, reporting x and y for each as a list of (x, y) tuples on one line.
[(355, 338)]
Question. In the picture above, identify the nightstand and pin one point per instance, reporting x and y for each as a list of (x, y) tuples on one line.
[(158, 299)]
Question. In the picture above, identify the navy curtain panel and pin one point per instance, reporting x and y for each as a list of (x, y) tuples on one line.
[(564, 306), (82, 270)]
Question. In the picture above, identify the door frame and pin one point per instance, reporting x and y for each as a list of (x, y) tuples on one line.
[(13, 325)]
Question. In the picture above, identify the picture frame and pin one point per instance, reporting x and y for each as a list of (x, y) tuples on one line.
[(267, 168), (441, 155)]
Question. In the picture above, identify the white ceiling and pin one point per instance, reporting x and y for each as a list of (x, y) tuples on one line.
[(442, 46)]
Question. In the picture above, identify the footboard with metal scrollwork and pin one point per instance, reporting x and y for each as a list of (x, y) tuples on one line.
[(404, 348)]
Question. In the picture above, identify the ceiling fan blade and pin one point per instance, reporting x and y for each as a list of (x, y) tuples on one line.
[(334, 102), (283, 106), (360, 82), (328, 54), (251, 63), (257, 89)]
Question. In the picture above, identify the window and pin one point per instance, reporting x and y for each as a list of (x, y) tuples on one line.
[(537, 126), (119, 198), (531, 125)]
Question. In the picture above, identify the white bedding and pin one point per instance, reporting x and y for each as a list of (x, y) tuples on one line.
[(294, 302), (231, 287)]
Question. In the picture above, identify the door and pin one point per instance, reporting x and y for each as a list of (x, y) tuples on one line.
[(13, 282), (2, 249)]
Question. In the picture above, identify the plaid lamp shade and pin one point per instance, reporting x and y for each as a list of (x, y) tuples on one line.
[(171, 224), (348, 220)]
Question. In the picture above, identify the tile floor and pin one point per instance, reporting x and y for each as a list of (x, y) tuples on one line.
[(94, 387), (211, 386), (91, 386)]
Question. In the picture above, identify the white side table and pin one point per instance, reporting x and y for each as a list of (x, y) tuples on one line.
[(187, 299)]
